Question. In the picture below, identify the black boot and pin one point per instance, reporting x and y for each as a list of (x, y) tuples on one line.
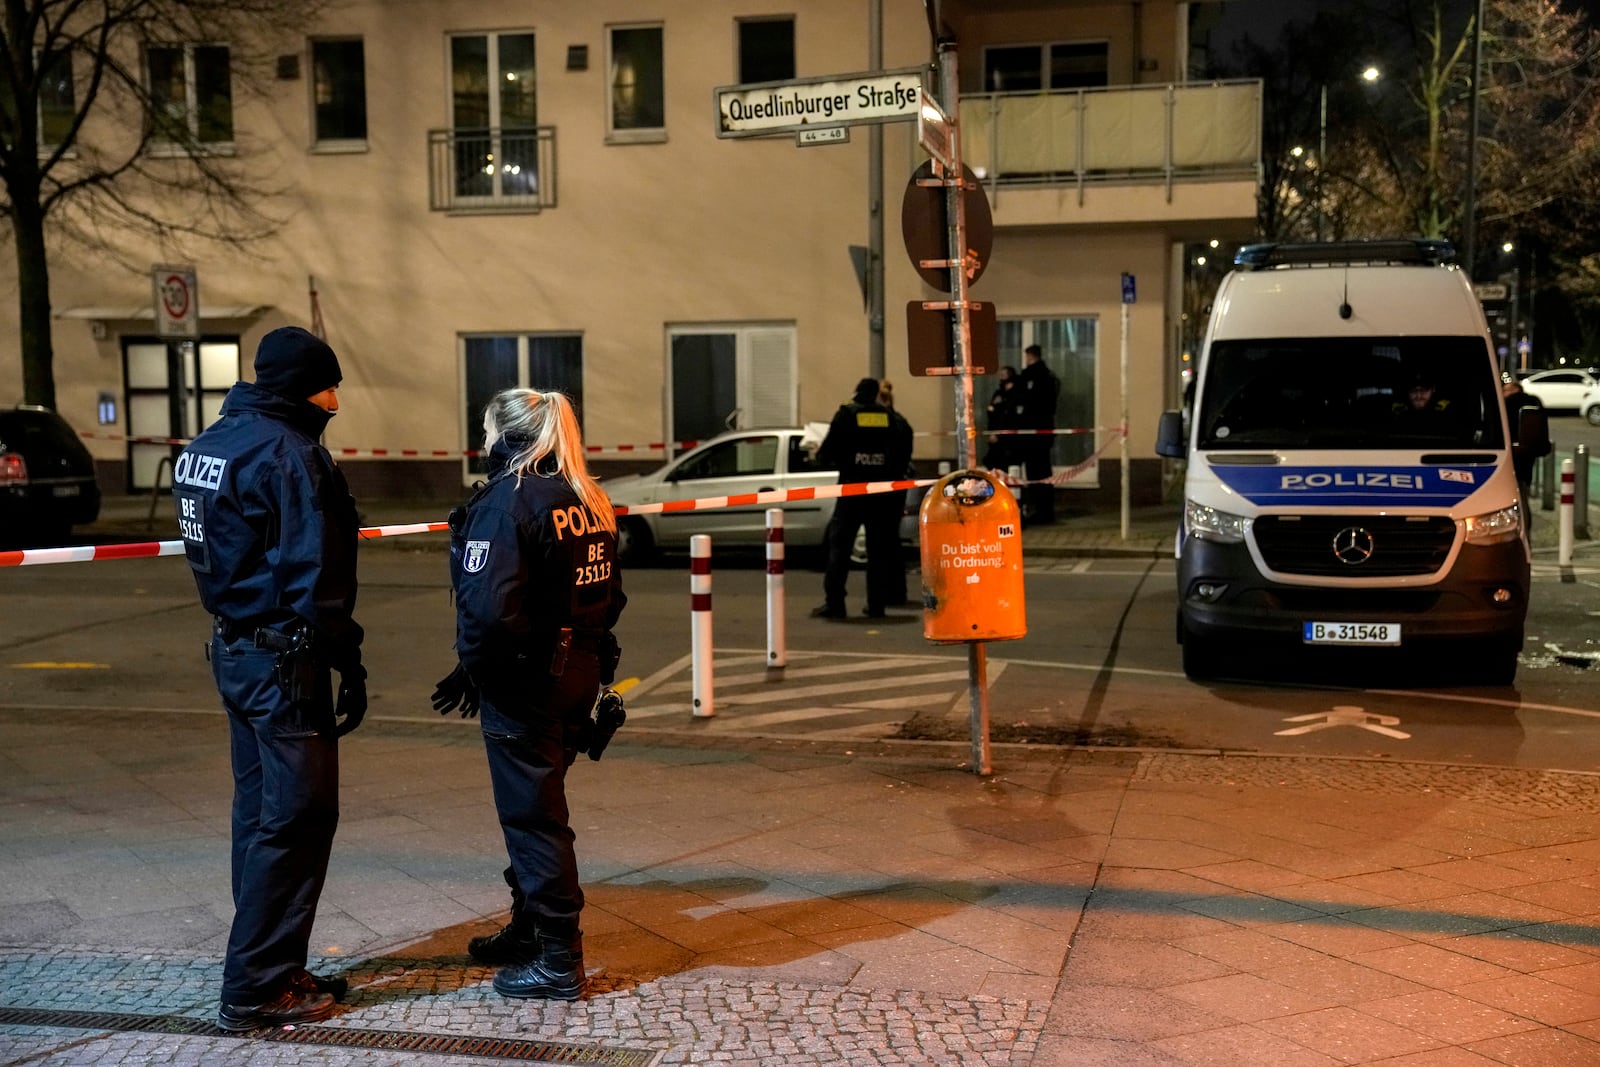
[(515, 942), (557, 973)]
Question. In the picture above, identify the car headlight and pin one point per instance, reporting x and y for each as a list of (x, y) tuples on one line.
[(1209, 524), (1494, 526)]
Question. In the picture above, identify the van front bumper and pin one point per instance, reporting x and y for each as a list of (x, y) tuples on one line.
[(1223, 595)]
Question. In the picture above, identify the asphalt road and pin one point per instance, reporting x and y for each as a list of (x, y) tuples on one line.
[(1099, 664)]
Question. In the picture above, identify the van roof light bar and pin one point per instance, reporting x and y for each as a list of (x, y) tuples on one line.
[(1423, 251)]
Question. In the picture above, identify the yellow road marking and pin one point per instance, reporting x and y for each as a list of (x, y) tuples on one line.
[(62, 666)]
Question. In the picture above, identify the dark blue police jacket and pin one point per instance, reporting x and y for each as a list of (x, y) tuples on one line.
[(532, 559), (268, 523)]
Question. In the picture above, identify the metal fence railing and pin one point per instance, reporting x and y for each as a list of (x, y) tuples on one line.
[(1077, 136), (492, 170)]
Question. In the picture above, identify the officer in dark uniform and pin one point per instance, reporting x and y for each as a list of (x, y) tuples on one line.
[(867, 443), (270, 531), (534, 568), (1036, 390)]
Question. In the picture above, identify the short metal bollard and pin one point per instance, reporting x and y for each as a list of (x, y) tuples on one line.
[(777, 641), (1547, 481), (1564, 544), (700, 622), (1580, 492)]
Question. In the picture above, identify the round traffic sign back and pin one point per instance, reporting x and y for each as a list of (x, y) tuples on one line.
[(925, 226)]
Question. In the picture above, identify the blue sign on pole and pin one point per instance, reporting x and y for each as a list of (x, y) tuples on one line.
[(1128, 296)]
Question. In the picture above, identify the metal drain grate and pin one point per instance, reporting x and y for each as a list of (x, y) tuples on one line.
[(504, 1048)]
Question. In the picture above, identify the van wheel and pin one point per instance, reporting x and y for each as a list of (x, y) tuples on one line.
[(1203, 657), (634, 543), (1497, 663)]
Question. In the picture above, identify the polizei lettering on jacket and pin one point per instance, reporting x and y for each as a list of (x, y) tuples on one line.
[(1364, 479), (199, 470)]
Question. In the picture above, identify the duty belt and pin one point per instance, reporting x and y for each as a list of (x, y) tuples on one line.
[(263, 636)]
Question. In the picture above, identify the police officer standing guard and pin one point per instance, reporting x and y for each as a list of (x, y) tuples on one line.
[(867, 443), (270, 531), (1036, 390), (534, 568)]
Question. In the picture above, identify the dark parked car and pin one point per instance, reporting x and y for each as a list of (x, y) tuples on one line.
[(47, 481)]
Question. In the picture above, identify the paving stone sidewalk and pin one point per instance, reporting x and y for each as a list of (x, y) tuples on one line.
[(772, 902)]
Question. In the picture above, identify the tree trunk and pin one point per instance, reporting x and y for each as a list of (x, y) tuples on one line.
[(33, 303)]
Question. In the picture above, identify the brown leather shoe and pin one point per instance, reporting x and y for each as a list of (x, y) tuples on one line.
[(335, 987), (293, 1005)]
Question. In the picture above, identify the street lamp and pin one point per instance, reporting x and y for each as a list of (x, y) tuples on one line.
[(1369, 75)]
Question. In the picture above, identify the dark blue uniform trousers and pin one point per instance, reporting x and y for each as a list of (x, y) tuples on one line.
[(886, 570), (528, 733), (285, 810)]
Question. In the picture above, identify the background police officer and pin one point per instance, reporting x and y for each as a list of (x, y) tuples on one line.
[(534, 567), (1036, 391), (867, 443), (270, 532)]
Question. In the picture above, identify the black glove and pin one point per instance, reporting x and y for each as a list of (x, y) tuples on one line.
[(351, 707), (456, 689)]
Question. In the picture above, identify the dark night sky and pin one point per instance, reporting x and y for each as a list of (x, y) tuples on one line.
[(1262, 19)]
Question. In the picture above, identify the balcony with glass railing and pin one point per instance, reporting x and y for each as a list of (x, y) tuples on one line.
[(1086, 140), (507, 171)]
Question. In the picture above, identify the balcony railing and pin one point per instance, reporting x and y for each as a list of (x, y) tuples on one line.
[(500, 170), (1133, 133)]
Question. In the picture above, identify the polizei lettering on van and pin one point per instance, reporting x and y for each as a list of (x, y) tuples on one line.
[(1359, 486)]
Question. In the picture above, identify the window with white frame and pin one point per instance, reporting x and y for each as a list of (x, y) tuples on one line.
[(1016, 68), (494, 116), (191, 95), (1069, 346), (766, 49), (638, 85), (339, 91), (730, 377), (551, 362)]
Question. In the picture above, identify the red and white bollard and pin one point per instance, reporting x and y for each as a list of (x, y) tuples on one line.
[(1564, 546), (700, 624), (777, 652)]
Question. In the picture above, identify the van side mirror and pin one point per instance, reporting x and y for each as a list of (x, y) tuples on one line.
[(1171, 441), (1533, 433)]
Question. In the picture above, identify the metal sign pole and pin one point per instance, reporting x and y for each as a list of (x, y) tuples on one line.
[(966, 435)]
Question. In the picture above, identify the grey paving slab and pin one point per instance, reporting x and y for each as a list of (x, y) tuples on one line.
[(862, 904)]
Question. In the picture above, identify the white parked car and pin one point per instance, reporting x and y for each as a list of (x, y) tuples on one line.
[(1560, 389), (740, 461), (1589, 406)]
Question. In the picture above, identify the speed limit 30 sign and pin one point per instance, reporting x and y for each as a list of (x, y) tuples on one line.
[(177, 301)]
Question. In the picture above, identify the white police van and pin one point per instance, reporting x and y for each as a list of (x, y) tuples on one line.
[(1350, 478)]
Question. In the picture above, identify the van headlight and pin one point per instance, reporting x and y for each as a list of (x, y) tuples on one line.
[(1209, 524), (1492, 527)]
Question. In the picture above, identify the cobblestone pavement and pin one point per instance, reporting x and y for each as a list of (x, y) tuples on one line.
[(772, 902)]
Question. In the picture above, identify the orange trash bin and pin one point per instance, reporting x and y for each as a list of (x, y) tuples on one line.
[(971, 530)]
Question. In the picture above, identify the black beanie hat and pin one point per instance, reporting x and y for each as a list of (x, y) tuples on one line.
[(296, 363), (867, 391)]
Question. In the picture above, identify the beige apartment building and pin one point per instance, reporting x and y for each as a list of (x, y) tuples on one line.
[(494, 193)]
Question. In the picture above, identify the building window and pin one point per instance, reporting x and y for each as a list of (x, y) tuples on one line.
[(766, 50), (638, 92), (57, 102), (730, 378), (191, 95), (1035, 67), (1070, 348), (552, 362), (339, 90), (494, 111)]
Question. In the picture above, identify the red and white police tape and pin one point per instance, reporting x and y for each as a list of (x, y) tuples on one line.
[(28, 557), (622, 449)]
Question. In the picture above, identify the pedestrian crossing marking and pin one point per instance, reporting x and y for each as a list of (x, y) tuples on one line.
[(770, 701)]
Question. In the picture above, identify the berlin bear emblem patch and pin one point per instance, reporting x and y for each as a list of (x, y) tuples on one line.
[(477, 556)]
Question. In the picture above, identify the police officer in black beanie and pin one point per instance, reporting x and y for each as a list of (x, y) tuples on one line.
[(270, 531)]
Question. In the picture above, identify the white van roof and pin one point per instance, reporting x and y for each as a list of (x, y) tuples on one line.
[(1382, 301)]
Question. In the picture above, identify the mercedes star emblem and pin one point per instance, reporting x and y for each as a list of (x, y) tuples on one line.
[(1352, 545)]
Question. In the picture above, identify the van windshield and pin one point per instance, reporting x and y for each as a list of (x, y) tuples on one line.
[(1352, 393)]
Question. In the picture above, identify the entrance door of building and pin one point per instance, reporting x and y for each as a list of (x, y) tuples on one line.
[(174, 390)]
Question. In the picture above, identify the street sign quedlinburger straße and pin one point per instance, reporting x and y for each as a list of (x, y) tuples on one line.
[(837, 100)]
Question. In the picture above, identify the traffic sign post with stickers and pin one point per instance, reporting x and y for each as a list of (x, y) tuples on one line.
[(177, 302), (939, 242)]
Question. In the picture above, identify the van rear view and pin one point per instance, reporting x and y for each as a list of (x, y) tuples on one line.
[(1350, 477)]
